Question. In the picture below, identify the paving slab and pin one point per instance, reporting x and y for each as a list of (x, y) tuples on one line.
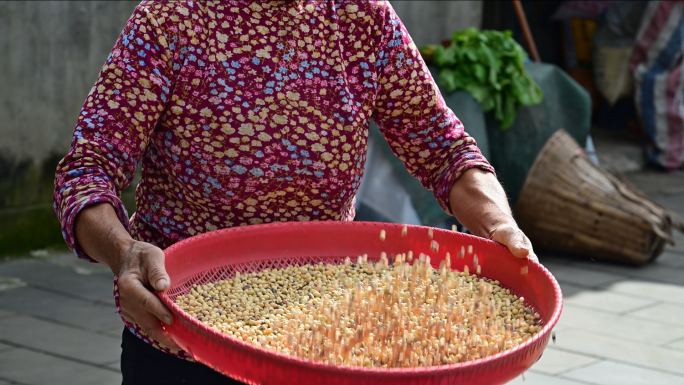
[(671, 259), (652, 271), (5, 347), (615, 373), (49, 276), (679, 237), (115, 365), (555, 361), (661, 313), (60, 340), (534, 378), (560, 326), (6, 313), (28, 367), (619, 326), (678, 247), (660, 291), (68, 258), (654, 183), (643, 355), (569, 290), (51, 306), (546, 258), (674, 251), (10, 283), (661, 274), (604, 300), (672, 202), (677, 344), (581, 275), (114, 332)]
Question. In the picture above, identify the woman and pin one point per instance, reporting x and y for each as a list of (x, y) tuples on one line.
[(246, 113)]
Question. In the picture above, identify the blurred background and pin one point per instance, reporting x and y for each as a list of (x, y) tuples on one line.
[(593, 171)]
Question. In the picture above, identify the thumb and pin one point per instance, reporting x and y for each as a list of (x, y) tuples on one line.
[(513, 238), (519, 249), (153, 264)]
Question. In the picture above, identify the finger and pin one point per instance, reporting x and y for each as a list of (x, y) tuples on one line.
[(519, 250), (153, 267), (519, 245), (532, 255), (134, 291), (153, 328), (514, 239)]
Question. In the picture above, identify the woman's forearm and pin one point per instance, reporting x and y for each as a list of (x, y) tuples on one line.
[(100, 234), (138, 266), (479, 202)]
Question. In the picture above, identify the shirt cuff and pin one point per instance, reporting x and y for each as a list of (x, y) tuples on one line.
[(69, 218), (454, 168)]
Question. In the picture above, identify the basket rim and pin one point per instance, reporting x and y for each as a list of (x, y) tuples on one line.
[(358, 370)]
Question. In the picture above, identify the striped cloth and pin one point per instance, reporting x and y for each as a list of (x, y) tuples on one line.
[(657, 68)]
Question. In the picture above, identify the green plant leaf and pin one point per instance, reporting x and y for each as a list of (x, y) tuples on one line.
[(509, 113), (480, 72), (488, 104), (478, 91), (470, 53), (447, 79), (488, 65), (498, 110), (445, 56)]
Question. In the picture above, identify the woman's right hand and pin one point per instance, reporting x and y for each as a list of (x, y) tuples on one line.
[(141, 271), (139, 267)]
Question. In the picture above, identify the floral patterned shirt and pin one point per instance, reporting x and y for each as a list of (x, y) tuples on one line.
[(244, 113)]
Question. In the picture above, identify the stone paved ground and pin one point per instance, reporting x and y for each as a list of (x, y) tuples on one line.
[(620, 324), (58, 323)]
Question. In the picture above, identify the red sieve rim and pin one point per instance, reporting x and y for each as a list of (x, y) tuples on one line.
[(440, 369)]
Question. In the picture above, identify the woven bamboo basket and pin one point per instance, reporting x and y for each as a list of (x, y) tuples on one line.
[(568, 204)]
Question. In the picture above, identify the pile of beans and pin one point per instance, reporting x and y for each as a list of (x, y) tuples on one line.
[(371, 314)]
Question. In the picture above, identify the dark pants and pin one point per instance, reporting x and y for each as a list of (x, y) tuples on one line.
[(143, 364)]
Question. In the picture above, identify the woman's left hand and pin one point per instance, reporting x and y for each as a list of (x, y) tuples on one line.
[(517, 242), (479, 203)]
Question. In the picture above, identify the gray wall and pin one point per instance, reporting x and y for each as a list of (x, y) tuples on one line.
[(52, 52), (430, 22), (50, 55)]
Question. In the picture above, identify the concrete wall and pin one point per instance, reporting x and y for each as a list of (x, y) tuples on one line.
[(430, 22), (52, 52), (50, 55)]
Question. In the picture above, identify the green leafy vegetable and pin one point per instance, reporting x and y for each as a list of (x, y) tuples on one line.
[(489, 65)]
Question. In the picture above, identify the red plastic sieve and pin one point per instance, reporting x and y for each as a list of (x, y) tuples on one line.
[(219, 254)]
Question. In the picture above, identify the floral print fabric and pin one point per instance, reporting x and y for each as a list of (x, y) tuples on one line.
[(254, 112)]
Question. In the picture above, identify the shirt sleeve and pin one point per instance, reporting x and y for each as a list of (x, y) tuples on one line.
[(413, 117), (116, 121)]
